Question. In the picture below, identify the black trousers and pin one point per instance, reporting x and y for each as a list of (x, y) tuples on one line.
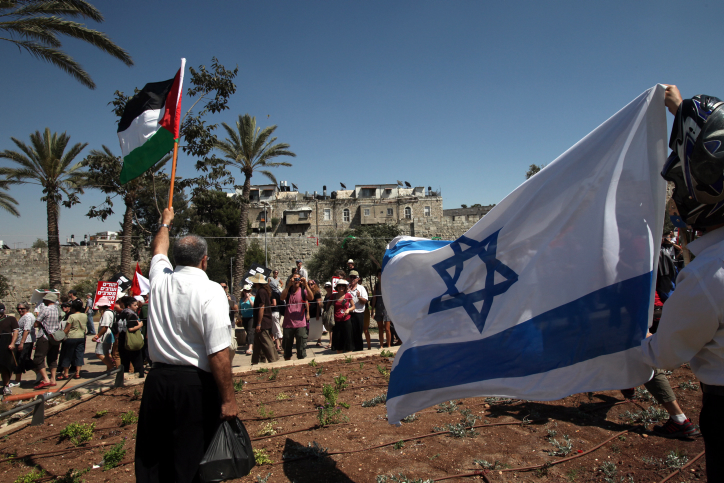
[(130, 357), (179, 416), (358, 320), (711, 422)]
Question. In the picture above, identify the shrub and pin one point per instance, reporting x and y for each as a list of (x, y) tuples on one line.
[(261, 457), (128, 418), (274, 374), (383, 371), (78, 433), (312, 363), (264, 413), (449, 407), (100, 414), (267, 429), (382, 398), (399, 445), (262, 370), (84, 287), (31, 477), (72, 395), (238, 385), (562, 448), (113, 456), (648, 416), (676, 459), (386, 353), (340, 383), (282, 396)]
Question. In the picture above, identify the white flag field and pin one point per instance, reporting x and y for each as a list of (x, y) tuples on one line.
[(551, 292)]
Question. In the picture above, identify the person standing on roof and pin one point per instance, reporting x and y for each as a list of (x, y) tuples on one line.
[(189, 389)]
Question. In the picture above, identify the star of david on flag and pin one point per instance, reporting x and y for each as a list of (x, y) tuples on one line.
[(551, 292), (485, 250)]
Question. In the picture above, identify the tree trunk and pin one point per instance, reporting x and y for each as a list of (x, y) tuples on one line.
[(53, 244), (126, 239), (239, 269)]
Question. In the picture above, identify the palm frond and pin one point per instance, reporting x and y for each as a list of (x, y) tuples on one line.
[(269, 175), (56, 57), (8, 204), (68, 8)]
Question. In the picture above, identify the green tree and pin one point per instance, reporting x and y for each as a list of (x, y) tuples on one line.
[(45, 162), (104, 174), (7, 202), (533, 170), (38, 23), (250, 149), (4, 286), (39, 243)]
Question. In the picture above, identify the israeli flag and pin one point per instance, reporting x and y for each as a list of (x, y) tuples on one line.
[(549, 294)]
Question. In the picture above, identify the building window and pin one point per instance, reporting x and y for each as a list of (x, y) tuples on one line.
[(408, 212), (368, 192), (345, 214), (303, 215), (427, 211), (367, 212), (327, 214), (389, 211)]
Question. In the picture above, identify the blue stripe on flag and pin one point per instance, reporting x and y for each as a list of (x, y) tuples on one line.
[(407, 245), (609, 320)]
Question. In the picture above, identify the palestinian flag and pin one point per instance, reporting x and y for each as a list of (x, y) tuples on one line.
[(150, 125)]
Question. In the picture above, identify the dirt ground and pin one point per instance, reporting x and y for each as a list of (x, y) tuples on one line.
[(513, 434)]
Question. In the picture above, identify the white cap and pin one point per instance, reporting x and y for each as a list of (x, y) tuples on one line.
[(139, 298), (350, 261), (342, 282), (328, 284), (248, 286)]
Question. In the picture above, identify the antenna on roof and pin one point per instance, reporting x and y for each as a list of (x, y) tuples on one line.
[(343, 186), (399, 183), (295, 187), (408, 184)]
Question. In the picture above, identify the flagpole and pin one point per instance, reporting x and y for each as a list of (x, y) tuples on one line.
[(177, 128)]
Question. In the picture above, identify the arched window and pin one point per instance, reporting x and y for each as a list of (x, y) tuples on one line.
[(345, 215), (408, 212)]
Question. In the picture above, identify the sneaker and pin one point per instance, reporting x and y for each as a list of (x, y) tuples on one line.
[(673, 429), (7, 391), (14, 384)]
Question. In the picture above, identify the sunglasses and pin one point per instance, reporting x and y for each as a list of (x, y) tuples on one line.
[(20, 308)]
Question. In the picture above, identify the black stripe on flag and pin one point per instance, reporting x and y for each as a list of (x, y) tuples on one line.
[(152, 96)]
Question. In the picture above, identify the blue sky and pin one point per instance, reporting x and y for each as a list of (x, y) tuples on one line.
[(458, 95)]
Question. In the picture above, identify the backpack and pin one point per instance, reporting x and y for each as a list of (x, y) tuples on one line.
[(665, 276)]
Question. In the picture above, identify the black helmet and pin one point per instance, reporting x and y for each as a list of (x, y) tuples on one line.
[(696, 165)]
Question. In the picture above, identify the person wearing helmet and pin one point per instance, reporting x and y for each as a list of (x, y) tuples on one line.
[(692, 321)]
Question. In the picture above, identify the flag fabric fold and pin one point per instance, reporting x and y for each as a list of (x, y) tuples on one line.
[(140, 284), (549, 294), (150, 125)]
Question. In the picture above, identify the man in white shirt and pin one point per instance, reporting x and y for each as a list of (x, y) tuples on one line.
[(692, 322), (359, 296), (301, 270), (189, 390)]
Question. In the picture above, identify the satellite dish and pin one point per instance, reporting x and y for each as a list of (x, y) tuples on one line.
[(343, 186), (399, 183), (408, 184), (295, 187)]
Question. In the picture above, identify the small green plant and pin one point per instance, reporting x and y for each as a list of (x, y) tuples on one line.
[(464, 429), (400, 478), (128, 418), (329, 413), (347, 359), (498, 400), (571, 475), (361, 365), (262, 370), (434, 456), (267, 429), (644, 394), (320, 371), (647, 416), (238, 385), (71, 476), (676, 459), (382, 398), (562, 448), (262, 458), (497, 465), (609, 471), (274, 374), (552, 433), (650, 460), (113, 456), (312, 363), (282, 396), (691, 385), (386, 353), (622, 438), (384, 372), (263, 479), (409, 419), (344, 405), (448, 407), (136, 395), (615, 448), (31, 477), (78, 433), (340, 383), (100, 414), (399, 445), (264, 413), (72, 395)]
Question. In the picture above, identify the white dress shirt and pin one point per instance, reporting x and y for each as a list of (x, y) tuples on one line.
[(357, 292), (188, 315), (692, 323)]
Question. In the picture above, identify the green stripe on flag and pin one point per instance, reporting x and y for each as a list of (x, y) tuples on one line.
[(145, 156)]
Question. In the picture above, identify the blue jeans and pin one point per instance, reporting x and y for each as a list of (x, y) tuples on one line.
[(90, 326)]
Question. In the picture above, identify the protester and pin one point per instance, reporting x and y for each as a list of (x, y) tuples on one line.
[(90, 325), (359, 295), (24, 343), (48, 322), (72, 295), (350, 264), (380, 313), (189, 389), (128, 322), (328, 305), (302, 271), (343, 304), (8, 335), (315, 306), (295, 297), (263, 323), (275, 282), (691, 328), (246, 310), (73, 349), (277, 311), (105, 338)]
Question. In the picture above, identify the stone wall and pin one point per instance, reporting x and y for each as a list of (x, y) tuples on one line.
[(27, 269), (444, 229)]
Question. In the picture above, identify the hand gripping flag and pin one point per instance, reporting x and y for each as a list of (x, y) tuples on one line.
[(150, 125), (548, 295)]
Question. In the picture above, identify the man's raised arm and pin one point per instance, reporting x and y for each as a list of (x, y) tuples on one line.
[(160, 243)]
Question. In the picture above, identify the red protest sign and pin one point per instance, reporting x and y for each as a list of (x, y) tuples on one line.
[(108, 290), (334, 284)]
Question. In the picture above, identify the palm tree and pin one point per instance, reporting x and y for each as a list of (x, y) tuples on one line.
[(7, 202), (38, 24), (250, 149), (45, 162), (104, 174)]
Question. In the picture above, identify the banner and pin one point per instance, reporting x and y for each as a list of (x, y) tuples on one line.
[(106, 289)]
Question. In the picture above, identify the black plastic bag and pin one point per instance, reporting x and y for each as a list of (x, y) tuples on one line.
[(229, 455)]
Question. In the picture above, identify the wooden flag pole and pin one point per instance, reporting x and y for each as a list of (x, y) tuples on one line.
[(173, 173)]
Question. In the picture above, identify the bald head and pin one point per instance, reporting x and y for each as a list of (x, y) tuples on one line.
[(190, 251)]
